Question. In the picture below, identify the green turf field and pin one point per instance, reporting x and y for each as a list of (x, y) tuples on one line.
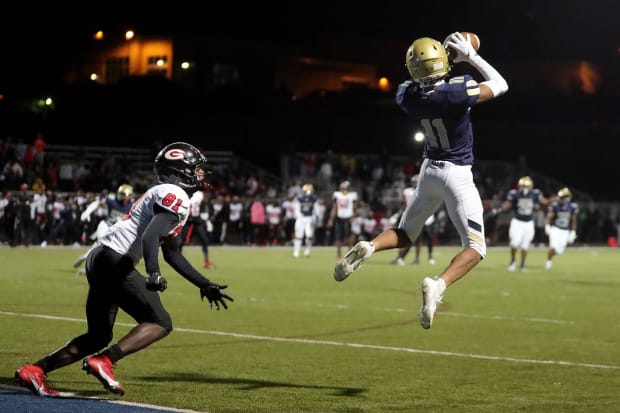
[(295, 340)]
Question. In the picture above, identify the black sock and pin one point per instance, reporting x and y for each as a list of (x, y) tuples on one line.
[(114, 353)]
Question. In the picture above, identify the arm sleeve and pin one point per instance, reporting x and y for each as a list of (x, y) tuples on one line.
[(160, 226), (492, 78), (89, 210), (173, 256)]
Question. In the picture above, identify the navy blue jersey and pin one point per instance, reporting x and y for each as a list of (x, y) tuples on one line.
[(307, 203), (524, 203), (563, 213), (444, 115)]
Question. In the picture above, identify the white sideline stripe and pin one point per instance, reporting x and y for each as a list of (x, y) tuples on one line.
[(341, 344), (70, 395)]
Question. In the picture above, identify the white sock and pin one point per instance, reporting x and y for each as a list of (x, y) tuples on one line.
[(442, 285), (372, 248)]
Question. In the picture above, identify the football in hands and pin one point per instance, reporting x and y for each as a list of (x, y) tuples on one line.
[(473, 39)]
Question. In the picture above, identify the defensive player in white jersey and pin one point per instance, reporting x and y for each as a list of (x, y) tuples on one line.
[(154, 221), (428, 231), (561, 225), (343, 209), (197, 220), (441, 105), (524, 202)]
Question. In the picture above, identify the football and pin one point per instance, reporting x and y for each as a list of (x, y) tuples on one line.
[(473, 39)]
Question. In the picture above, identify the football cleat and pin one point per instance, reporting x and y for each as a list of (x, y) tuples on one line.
[(353, 259), (430, 298), (432, 261), (208, 264), (512, 267), (548, 265), (33, 378), (100, 366)]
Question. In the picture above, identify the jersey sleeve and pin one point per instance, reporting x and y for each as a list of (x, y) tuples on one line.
[(462, 90), (174, 199)]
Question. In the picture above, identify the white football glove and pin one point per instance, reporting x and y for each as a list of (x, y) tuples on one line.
[(548, 229), (572, 236), (461, 47)]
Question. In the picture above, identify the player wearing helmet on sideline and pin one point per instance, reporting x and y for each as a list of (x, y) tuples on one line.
[(428, 231), (561, 225), (524, 203), (343, 209), (154, 221), (441, 105)]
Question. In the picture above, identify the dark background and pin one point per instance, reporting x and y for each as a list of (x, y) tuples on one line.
[(572, 138)]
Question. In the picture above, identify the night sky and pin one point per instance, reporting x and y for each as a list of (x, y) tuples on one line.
[(516, 32), (526, 30)]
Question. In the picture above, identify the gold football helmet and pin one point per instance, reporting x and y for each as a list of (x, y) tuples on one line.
[(125, 191), (427, 61), (564, 194), (308, 189), (526, 182)]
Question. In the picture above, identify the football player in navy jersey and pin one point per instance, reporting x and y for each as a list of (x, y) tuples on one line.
[(154, 221), (304, 224), (524, 202), (117, 207), (441, 105), (561, 225)]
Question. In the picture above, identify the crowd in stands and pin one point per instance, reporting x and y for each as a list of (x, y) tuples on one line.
[(42, 198)]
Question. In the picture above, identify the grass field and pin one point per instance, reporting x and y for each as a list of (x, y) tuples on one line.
[(295, 340)]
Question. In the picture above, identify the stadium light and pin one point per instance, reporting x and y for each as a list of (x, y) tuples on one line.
[(418, 137)]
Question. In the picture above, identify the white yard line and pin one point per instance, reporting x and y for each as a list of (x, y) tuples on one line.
[(340, 344)]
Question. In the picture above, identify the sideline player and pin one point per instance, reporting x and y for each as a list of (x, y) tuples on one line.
[(304, 224), (117, 208), (524, 202), (561, 225), (428, 231), (343, 209)]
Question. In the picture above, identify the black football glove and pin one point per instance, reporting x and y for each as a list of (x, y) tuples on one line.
[(214, 294), (155, 282)]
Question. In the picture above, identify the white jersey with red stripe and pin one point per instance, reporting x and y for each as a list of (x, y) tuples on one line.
[(345, 203), (195, 202), (125, 236)]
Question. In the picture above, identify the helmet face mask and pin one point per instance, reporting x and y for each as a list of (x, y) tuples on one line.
[(181, 164), (427, 61)]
